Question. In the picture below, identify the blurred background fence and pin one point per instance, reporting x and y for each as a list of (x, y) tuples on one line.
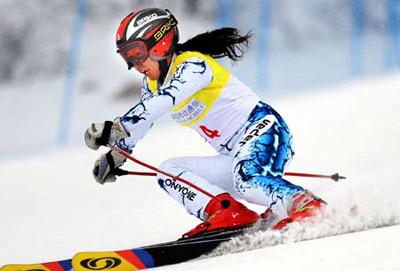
[(60, 55), (303, 45)]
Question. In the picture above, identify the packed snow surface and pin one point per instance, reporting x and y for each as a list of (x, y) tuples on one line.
[(51, 207)]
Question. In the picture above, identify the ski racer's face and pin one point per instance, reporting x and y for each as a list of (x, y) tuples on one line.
[(149, 67)]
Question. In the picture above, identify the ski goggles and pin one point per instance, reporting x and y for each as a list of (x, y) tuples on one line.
[(137, 51)]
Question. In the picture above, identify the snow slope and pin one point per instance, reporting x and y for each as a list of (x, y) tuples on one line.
[(51, 207), (372, 250)]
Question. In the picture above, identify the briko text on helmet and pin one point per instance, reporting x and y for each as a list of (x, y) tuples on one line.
[(167, 26)]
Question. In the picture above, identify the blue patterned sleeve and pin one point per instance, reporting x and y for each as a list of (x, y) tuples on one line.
[(190, 76)]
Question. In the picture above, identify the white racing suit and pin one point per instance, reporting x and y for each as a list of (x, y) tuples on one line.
[(252, 139)]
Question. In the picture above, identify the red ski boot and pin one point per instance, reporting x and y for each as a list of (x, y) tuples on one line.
[(304, 205), (224, 212)]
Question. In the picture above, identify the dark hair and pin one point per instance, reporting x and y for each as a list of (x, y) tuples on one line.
[(218, 43)]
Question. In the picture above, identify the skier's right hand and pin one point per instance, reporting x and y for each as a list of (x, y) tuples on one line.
[(100, 134), (105, 166)]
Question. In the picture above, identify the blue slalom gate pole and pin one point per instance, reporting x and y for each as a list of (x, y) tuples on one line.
[(392, 50), (71, 72), (264, 23), (357, 31), (226, 12)]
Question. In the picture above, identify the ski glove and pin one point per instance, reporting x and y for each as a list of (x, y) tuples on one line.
[(99, 134), (106, 166)]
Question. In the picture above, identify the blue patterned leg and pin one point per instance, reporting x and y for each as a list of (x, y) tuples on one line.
[(259, 166)]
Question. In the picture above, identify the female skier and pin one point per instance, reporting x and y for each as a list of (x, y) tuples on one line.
[(252, 140)]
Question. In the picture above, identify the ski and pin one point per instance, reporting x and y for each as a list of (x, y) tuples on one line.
[(178, 251), (155, 255)]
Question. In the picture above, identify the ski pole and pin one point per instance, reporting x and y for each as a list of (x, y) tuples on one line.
[(128, 156), (336, 177), (122, 172)]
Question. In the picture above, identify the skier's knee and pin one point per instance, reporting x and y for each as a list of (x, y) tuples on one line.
[(170, 165)]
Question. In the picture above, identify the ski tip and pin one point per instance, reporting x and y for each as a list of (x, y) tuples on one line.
[(50, 266), (336, 177)]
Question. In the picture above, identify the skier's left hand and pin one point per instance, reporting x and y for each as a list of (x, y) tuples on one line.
[(105, 166)]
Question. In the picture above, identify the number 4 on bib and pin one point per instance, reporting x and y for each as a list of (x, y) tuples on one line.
[(210, 133)]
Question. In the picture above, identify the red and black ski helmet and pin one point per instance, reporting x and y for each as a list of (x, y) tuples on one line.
[(147, 33)]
